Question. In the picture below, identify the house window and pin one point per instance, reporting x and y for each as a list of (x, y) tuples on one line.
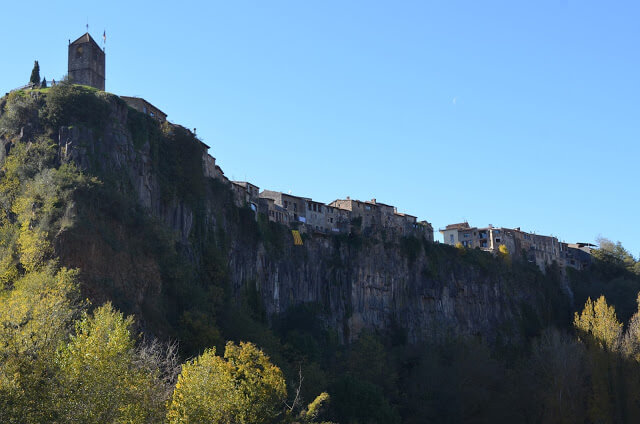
[(319, 208), (451, 238), (309, 205), (497, 240)]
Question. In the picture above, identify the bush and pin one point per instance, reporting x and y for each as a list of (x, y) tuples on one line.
[(20, 114), (68, 104)]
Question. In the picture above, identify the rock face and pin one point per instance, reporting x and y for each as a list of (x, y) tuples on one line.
[(360, 282), (376, 287)]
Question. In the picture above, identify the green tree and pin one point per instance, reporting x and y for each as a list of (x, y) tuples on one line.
[(242, 387), (35, 74), (44, 83), (612, 254)]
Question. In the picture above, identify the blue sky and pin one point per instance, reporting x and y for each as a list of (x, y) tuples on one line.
[(506, 113)]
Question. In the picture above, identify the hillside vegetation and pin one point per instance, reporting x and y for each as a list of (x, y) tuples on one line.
[(111, 311)]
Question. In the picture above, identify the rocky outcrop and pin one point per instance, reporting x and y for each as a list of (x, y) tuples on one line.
[(360, 282)]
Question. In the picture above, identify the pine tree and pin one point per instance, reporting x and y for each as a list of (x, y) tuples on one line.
[(35, 74), (44, 83)]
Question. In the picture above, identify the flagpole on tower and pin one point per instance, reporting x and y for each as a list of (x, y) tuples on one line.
[(104, 40)]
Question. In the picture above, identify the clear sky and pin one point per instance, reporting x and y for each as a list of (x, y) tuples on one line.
[(508, 113)]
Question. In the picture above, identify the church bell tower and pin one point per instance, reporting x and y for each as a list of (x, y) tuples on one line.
[(86, 62)]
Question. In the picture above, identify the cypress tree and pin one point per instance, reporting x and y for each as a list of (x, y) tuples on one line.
[(44, 83), (35, 74)]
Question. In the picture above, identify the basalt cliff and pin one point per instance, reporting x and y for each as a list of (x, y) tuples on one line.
[(161, 240)]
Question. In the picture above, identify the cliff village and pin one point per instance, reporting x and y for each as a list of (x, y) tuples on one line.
[(309, 218)]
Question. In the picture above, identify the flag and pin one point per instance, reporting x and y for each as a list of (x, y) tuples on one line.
[(297, 239), (104, 36)]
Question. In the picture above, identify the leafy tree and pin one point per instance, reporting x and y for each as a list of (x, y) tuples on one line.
[(598, 323), (242, 387), (504, 253), (21, 114), (35, 316), (311, 414), (35, 74), (599, 328), (101, 379), (614, 259)]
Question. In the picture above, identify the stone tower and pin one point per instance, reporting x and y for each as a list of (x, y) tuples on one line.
[(86, 62)]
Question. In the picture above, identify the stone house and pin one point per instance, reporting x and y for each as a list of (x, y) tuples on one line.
[(337, 220), (426, 229), (209, 165), (408, 225), (386, 214), (376, 214), (295, 206), (274, 213), (543, 250), (141, 105), (369, 212), (316, 216), (246, 193), (576, 255), (219, 174)]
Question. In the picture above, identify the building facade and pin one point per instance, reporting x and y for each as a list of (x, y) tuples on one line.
[(539, 249), (246, 193)]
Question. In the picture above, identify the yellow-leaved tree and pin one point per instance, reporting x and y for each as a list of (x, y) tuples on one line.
[(101, 378), (598, 324), (598, 327), (35, 315), (242, 387)]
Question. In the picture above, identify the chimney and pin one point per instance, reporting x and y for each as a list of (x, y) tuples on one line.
[(348, 198), (373, 201)]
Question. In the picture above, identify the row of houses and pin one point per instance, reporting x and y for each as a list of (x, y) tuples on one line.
[(311, 216), (341, 215), (543, 250), (338, 216)]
